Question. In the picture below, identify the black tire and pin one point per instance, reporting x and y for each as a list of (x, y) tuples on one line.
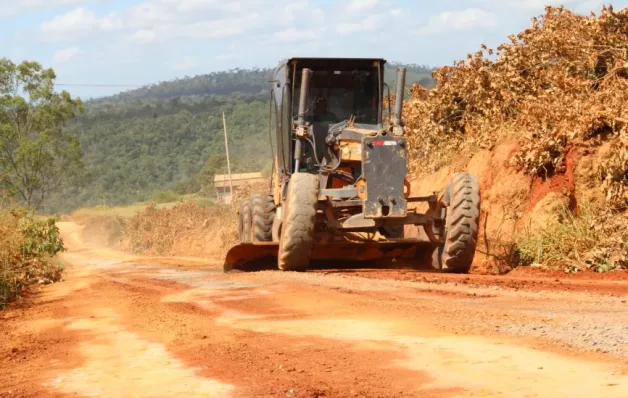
[(244, 227), (299, 218), (461, 225), (263, 211)]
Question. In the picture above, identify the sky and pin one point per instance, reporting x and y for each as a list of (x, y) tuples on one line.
[(137, 42)]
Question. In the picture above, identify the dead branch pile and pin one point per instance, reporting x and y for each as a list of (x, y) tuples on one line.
[(563, 80)]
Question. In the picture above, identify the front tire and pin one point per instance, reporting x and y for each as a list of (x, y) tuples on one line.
[(263, 214), (299, 218), (244, 224), (461, 225)]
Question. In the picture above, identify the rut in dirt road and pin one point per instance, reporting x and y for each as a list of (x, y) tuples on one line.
[(126, 326)]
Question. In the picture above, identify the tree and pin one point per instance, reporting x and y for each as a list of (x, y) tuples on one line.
[(215, 164), (36, 156)]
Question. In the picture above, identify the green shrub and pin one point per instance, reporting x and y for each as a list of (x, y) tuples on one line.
[(28, 246), (204, 202), (164, 196), (576, 241)]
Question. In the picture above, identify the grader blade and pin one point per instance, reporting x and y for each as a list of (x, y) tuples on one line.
[(250, 257)]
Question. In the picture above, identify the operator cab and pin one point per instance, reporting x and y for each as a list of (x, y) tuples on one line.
[(340, 89)]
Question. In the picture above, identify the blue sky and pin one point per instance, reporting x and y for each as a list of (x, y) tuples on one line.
[(138, 42)]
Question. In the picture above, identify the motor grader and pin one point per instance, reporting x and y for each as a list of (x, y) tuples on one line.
[(339, 189)]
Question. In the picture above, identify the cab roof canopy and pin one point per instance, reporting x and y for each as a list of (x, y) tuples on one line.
[(328, 63)]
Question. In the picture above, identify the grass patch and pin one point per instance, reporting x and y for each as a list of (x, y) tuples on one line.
[(128, 212), (574, 242), (164, 196)]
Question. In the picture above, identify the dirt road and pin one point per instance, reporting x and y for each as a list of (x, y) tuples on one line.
[(125, 326)]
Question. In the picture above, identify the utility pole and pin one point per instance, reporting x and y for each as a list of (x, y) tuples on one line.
[(224, 123)]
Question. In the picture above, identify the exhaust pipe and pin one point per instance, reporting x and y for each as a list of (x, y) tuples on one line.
[(399, 93), (305, 87), (298, 145)]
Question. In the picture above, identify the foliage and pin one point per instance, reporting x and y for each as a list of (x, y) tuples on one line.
[(41, 237), (154, 231), (577, 240), (133, 149), (205, 178), (36, 156), (27, 248), (561, 242), (415, 74), (562, 80), (164, 196), (203, 225)]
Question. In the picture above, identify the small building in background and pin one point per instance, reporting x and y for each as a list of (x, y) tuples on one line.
[(221, 183)]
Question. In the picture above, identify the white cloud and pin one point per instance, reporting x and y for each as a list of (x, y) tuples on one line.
[(210, 19), (293, 35), (361, 5), (537, 6), (214, 29), (10, 8), (367, 24), (293, 10), (149, 14), (198, 4), (64, 55), (521, 4), (110, 22), (186, 63), (172, 20), (226, 57), (201, 5), (586, 7), (458, 20), (77, 22), (143, 36), (318, 16)]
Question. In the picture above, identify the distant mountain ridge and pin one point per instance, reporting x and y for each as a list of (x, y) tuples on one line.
[(245, 82)]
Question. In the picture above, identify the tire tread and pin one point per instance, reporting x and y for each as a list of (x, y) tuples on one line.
[(297, 232)]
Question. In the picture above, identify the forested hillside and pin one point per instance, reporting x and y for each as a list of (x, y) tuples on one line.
[(159, 137), (241, 81)]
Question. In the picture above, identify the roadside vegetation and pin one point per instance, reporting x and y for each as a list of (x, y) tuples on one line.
[(28, 249), (37, 158), (559, 86), (186, 228), (575, 241)]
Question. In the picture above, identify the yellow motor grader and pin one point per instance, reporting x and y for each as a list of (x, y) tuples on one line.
[(339, 188)]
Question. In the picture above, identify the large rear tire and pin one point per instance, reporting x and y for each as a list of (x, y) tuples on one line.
[(299, 218), (263, 211), (244, 224), (461, 225)]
